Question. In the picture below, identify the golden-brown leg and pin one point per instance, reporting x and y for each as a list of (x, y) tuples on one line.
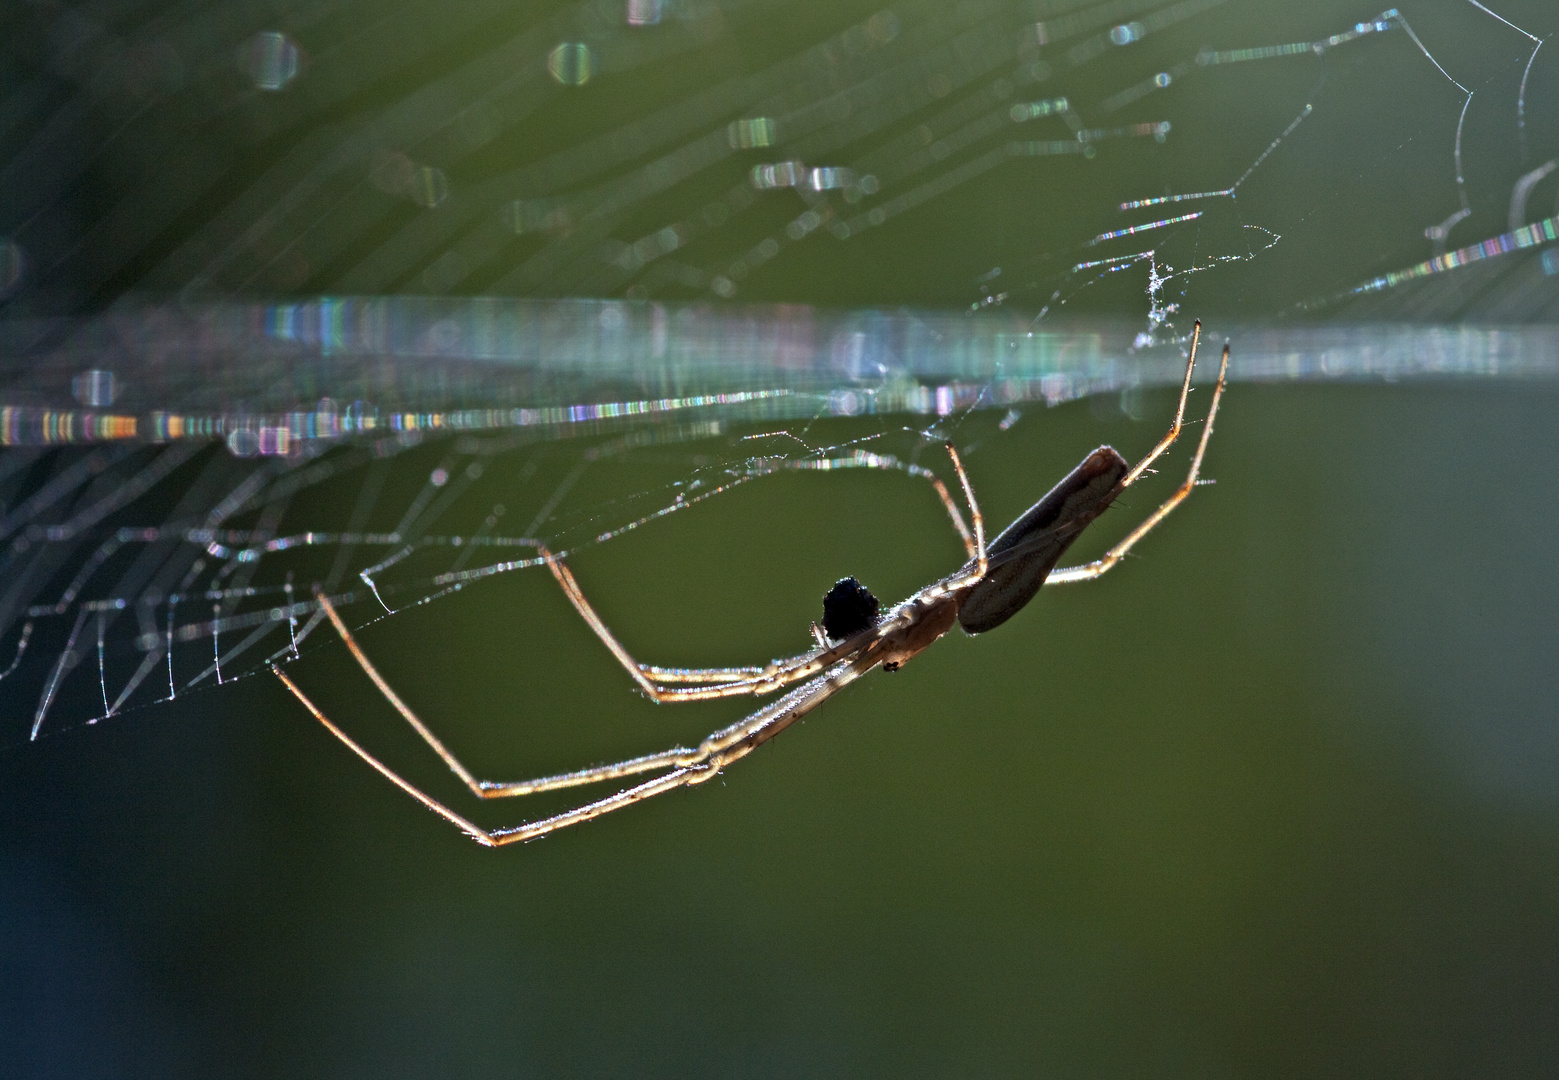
[(711, 682), (702, 684), (1174, 429), (1089, 571), (687, 766), (974, 513)]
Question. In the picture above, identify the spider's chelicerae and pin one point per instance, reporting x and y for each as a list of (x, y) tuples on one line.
[(853, 637)]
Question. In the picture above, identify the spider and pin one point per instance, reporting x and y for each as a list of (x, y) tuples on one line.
[(852, 638)]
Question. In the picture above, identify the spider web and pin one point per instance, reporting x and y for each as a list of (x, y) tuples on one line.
[(292, 312)]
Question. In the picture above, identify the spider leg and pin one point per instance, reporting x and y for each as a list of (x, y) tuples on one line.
[(476, 832), (709, 683), (761, 680), (701, 684), (970, 547), (978, 554), (714, 753), (1174, 429), (759, 727), (1089, 571), (486, 789), (863, 459), (687, 767), (666, 684), (426, 733)]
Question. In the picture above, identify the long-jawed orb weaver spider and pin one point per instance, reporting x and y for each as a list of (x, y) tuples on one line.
[(853, 637)]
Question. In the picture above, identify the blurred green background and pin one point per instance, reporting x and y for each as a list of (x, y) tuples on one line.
[(1278, 797)]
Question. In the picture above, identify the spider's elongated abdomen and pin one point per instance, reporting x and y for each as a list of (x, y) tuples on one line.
[(1028, 549)]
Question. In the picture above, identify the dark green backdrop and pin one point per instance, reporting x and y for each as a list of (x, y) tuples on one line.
[(1277, 798)]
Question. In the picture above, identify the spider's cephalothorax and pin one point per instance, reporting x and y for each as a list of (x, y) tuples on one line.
[(848, 609)]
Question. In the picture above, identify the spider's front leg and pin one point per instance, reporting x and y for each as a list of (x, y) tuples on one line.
[(680, 758), (720, 749), (663, 685), (698, 684), (686, 766)]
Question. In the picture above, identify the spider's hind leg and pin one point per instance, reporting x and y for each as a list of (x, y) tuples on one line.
[(1174, 428), (1102, 565)]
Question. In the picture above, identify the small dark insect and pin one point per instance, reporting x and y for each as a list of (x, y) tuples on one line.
[(848, 608), (985, 592)]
